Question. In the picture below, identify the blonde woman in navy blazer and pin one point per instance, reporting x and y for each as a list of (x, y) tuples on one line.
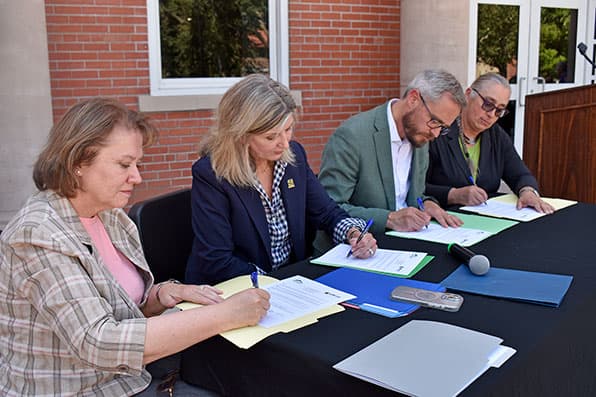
[(256, 204)]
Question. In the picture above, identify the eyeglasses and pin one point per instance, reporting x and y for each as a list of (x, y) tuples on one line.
[(433, 123), (488, 106)]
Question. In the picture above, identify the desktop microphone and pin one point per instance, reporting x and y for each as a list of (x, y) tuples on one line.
[(478, 264), (582, 50)]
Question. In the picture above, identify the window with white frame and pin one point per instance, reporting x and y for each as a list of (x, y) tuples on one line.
[(204, 46)]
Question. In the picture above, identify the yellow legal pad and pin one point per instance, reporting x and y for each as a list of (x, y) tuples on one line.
[(249, 336), (557, 203)]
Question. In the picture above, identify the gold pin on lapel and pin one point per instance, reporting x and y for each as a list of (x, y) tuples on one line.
[(291, 184)]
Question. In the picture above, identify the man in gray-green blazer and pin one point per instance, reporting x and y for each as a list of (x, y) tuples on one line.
[(375, 163)]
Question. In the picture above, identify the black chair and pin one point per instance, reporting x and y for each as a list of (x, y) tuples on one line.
[(165, 228)]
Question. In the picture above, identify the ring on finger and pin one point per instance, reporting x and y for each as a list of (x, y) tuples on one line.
[(371, 252)]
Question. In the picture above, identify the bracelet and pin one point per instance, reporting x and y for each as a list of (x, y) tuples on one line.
[(530, 188), (172, 281), (356, 229)]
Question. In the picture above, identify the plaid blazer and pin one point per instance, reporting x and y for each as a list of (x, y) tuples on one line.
[(66, 326)]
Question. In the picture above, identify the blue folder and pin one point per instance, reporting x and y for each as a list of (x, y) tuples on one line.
[(532, 287), (373, 290)]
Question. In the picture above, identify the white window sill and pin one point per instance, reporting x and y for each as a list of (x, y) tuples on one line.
[(148, 103)]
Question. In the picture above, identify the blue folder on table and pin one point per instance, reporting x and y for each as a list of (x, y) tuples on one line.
[(373, 290), (532, 287)]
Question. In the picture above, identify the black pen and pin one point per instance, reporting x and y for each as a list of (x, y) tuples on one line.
[(364, 231)]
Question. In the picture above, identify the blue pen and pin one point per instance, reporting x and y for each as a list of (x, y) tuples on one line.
[(368, 225), (254, 278), (421, 207)]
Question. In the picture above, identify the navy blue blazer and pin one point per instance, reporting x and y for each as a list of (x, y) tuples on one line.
[(230, 226), (498, 160)]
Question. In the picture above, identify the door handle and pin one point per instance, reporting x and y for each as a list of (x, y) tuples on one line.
[(541, 81), (520, 92)]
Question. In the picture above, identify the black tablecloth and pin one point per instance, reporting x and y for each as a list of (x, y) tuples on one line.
[(556, 347)]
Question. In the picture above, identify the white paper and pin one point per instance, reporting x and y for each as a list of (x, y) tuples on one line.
[(504, 210), (447, 235), (384, 260), (297, 296)]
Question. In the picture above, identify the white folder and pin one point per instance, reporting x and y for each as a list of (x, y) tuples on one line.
[(427, 358)]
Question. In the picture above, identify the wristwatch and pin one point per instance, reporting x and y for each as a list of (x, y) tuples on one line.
[(530, 188)]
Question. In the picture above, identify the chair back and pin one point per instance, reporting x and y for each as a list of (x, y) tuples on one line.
[(164, 224)]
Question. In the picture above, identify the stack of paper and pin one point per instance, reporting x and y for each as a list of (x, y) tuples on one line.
[(427, 359), (295, 302), (505, 207), (386, 261), (475, 228)]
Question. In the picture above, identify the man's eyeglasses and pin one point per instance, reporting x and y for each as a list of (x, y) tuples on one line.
[(433, 123), (488, 106)]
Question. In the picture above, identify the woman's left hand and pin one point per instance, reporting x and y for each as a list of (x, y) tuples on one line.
[(530, 199), (365, 248), (171, 294)]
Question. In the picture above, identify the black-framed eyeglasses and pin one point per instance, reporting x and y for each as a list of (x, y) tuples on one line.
[(488, 106), (434, 123)]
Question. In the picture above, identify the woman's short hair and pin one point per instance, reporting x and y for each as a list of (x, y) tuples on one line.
[(253, 106), (76, 139), (485, 80)]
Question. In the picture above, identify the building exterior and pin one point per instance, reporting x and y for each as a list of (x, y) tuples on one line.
[(339, 57), (343, 59)]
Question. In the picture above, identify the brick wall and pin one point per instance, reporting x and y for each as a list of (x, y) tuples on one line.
[(344, 57)]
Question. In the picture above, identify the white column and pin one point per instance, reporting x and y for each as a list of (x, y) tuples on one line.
[(25, 99)]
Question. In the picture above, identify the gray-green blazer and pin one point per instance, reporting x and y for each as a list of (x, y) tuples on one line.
[(357, 171)]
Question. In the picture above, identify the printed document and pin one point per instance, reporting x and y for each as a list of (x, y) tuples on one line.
[(504, 210), (446, 235), (505, 207), (394, 262), (297, 296), (247, 337)]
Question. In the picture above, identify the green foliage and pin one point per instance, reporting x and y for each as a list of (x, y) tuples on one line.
[(213, 38), (497, 35), (498, 38), (554, 42)]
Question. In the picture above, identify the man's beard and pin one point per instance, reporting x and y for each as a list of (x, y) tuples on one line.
[(416, 138)]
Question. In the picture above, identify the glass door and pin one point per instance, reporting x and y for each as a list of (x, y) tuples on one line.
[(533, 43)]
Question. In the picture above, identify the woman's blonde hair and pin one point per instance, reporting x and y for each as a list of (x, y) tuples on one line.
[(76, 139), (253, 106)]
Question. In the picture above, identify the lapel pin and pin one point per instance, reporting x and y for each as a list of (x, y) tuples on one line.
[(291, 183)]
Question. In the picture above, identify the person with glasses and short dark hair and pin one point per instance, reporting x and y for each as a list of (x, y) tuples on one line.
[(374, 164), (468, 163)]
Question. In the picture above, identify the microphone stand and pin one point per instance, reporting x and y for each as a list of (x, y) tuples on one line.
[(582, 50)]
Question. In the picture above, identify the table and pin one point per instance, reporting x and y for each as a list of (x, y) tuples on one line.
[(556, 347)]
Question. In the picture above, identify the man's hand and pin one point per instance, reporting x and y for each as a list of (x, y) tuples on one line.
[(441, 216)]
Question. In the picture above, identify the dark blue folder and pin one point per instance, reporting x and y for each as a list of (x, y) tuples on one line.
[(532, 287), (373, 290)]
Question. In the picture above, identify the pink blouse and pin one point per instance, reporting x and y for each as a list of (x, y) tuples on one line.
[(123, 270)]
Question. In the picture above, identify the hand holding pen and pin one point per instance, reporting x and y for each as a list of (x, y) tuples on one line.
[(421, 207), (359, 239), (477, 191)]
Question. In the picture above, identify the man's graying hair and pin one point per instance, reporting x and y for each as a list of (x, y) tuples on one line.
[(488, 79), (432, 84)]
